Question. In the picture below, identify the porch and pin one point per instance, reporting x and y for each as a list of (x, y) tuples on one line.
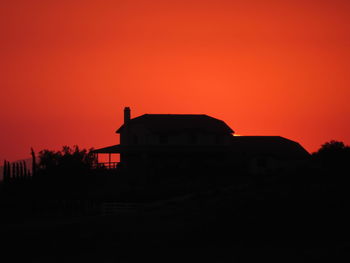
[(107, 157)]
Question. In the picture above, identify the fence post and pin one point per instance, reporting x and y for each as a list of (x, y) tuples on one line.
[(4, 178), (14, 174)]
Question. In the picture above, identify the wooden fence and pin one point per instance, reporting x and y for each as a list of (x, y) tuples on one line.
[(15, 171)]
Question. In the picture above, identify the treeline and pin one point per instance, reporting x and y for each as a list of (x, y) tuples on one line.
[(306, 211), (66, 163), (69, 161), (333, 156), (55, 184), (69, 176), (74, 162)]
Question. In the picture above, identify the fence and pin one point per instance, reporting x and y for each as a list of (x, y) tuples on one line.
[(15, 171)]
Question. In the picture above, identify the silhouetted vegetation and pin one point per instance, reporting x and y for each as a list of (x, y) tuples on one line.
[(67, 164), (211, 207), (333, 156)]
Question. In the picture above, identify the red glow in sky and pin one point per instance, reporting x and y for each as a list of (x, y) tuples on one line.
[(68, 68)]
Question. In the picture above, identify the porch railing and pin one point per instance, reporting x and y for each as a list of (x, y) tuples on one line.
[(107, 165)]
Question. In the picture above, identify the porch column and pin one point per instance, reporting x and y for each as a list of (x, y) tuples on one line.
[(96, 158)]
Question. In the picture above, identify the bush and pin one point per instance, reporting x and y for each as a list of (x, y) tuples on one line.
[(68, 161)]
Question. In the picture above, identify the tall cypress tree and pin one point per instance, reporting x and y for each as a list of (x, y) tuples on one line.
[(33, 162), (21, 174), (14, 172), (25, 169), (18, 173), (8, 169)]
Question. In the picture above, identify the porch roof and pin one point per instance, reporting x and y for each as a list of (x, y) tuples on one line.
[(109, 149)]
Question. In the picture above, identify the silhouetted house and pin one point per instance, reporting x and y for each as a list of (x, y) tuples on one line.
[(268, 154), (154, 142)]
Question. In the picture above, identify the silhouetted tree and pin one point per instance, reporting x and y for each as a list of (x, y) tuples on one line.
[(71, 162), (21, 170), (33, 162), (8, 169), (14, 171), (18, 171), (332, 147), (49, 159), (334, 156), (24, 170), (332, 150)]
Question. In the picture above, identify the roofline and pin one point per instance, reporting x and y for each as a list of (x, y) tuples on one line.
[(146, 114)]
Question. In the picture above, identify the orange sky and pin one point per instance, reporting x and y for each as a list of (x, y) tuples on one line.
[(67, 68)]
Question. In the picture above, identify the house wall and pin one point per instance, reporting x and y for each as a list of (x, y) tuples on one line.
[(140, 136), (264, 165)]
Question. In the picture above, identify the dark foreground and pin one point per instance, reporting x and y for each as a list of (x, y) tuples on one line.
[(273, 219)]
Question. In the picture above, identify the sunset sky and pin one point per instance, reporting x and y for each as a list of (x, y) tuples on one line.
[(68, 68)]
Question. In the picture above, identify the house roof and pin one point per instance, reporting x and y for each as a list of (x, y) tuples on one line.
[(159, 123), (109, 149), (276, 146)]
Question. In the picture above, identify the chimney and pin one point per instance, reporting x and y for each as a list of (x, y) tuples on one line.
[(127, 114)]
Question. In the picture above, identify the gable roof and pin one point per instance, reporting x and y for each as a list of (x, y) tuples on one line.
[(276, 146), (159, 123)]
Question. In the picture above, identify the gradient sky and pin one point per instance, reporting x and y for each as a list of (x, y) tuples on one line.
[(67, 68)]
